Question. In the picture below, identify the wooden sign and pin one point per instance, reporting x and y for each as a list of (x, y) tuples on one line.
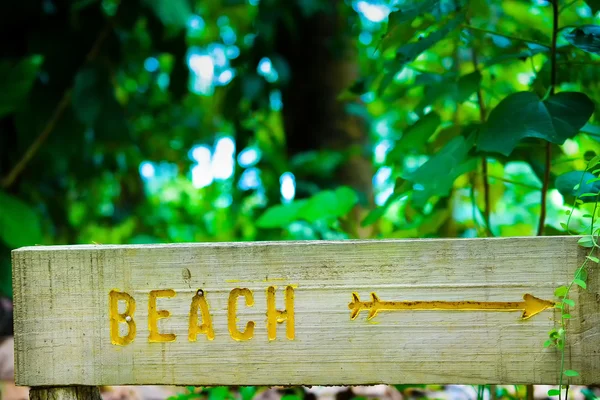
[(472, 311)]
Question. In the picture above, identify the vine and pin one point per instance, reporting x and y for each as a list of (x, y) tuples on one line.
[(558, 336)]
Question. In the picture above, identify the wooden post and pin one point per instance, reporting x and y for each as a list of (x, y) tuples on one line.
[(462, 311), (65, 393)]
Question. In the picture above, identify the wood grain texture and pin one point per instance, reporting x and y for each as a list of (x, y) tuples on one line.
[(65, 393), (62, 334)]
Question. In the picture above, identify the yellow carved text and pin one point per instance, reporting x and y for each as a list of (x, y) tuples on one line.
[(199, 302), (116, 318), (199, 320), (248, 333), (154, 315), (275, 316)]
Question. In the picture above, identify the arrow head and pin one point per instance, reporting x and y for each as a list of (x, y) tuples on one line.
[(534, 305)]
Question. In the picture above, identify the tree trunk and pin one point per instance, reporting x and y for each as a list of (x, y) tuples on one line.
[(322, 62), (65, 393)]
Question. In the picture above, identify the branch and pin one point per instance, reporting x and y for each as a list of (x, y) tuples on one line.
[(579, 63), (518, 39), (510, 181), (37, 143), (484, 164), (546, 182), (59, 110)]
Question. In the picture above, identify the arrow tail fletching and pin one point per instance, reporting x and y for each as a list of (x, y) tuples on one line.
[(355, 306), (374, 306), (372, 313)]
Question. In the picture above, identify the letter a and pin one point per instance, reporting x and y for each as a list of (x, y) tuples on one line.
[(199, 302)]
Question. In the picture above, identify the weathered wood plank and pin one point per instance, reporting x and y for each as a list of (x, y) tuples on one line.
[(63, 320)]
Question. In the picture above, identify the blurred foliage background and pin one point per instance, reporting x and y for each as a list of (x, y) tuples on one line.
[(145, 121)]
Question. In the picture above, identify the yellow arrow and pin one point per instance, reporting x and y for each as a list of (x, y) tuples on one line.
[(530, 305)]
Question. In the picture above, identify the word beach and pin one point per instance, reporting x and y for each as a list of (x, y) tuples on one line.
[(199, 309)]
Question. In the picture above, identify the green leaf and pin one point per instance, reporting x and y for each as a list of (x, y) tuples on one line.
[(458, 89), (323, 205), (567, 184), (95, 105), (593, 162), (319, 206), (415, 136), (561, 291), (566, 316), (431, 224), (248, 392), (436, 176), (144, 239), (553, 392), (377, 213), (328, 204), (580, 283), (594, 259), (172, 13), (112, 124), (411, 11), (191, 389), (281, 215), (16, 81), (402, 388), (19, 223), (467, 85), (586, 241), (346, 200), (586, 38), (592, 130), (219, 393), (79, 5), (548, 343), (569, 302), (410, 51), (291, 397), (523, 115), (399, 31), (594, 5), (570, 372), (323, 163), (89, 91), (521, 52)]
